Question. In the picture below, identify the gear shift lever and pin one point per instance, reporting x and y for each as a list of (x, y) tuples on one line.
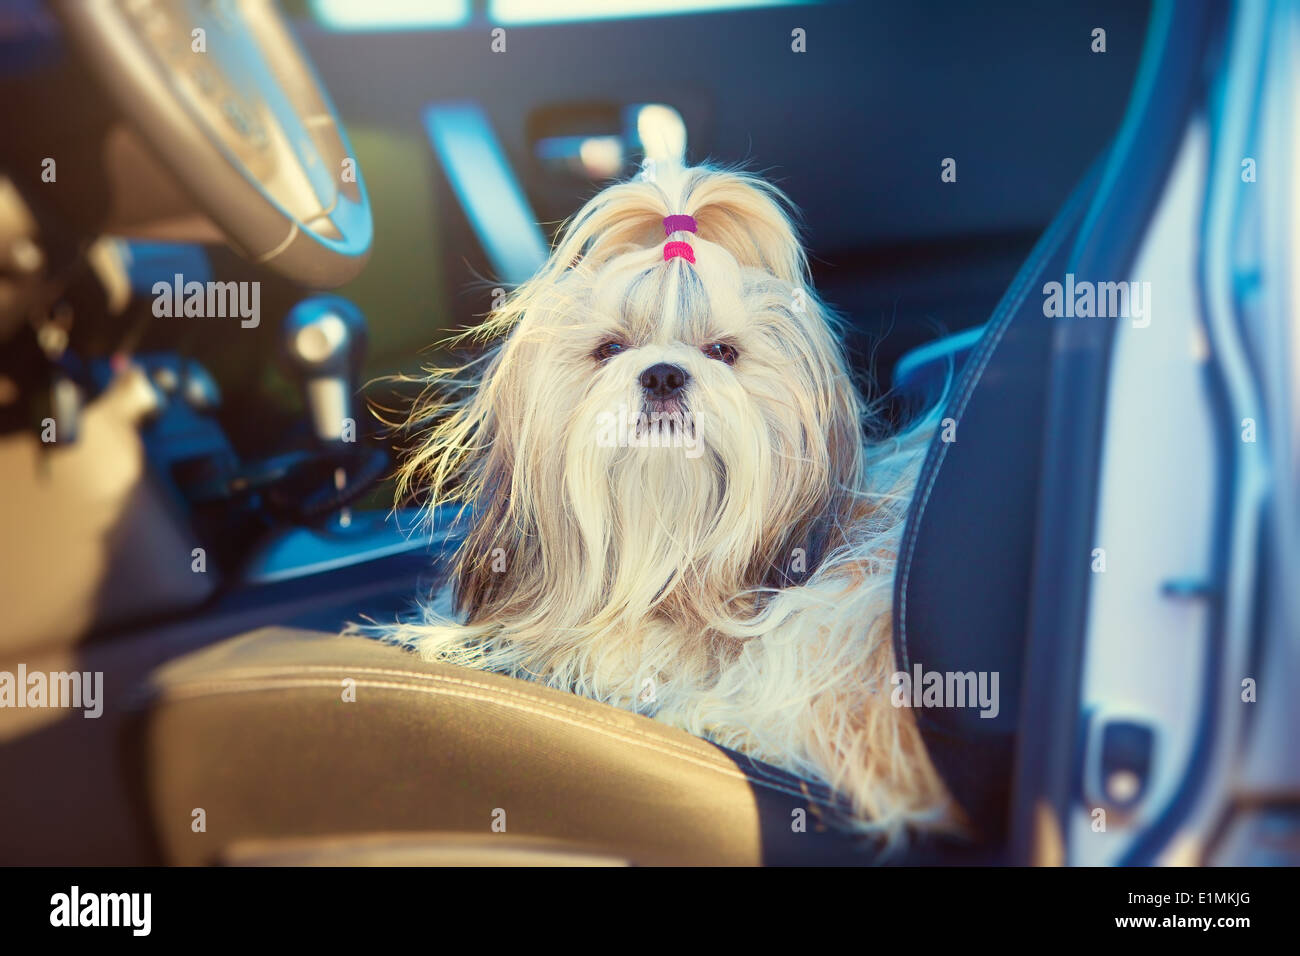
[(324, 339)]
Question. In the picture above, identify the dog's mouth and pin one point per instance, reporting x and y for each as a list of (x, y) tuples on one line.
[(664, 407), (670, 416)]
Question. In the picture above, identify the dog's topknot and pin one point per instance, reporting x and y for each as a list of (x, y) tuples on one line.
[(748, 217)]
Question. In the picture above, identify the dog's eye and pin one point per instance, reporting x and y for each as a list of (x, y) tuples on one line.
[(607, 350), (722, 352)]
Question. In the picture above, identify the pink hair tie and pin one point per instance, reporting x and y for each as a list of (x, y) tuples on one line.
[(682, 249), (678, 223)]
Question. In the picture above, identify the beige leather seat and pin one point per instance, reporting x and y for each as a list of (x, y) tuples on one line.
[(286, 746)]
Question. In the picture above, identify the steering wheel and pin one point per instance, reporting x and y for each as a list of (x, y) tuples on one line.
[(220, 90)]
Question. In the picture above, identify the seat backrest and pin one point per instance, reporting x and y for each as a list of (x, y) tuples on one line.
[(962, 590)]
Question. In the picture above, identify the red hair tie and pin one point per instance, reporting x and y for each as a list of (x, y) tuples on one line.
[(682, 249)]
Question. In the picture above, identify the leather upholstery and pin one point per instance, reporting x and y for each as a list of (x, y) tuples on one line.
[(255, 731), (964, 579)]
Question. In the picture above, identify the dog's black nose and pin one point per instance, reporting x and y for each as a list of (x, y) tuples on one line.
[(663, 381)]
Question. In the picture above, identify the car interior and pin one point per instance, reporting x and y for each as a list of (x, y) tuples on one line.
[(202, 530)]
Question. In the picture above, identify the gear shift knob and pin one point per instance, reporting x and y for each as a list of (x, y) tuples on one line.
[(324, 341)]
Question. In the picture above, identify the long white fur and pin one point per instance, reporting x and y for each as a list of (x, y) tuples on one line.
[(659, 582)]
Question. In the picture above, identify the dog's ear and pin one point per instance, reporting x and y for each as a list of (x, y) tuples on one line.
[(462, 456), (844, 444), (490, 555), (479, 445), (451, 422), (822, 529)]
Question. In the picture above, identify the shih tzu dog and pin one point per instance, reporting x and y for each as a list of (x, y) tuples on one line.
[(673, 506)]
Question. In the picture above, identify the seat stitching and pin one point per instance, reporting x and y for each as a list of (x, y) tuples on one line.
[(270, 671), (1016, 297), (203, 688)]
